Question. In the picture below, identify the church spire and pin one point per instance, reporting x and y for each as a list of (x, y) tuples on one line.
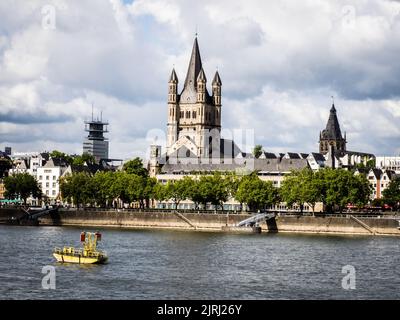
[(173, 78), (332, 130), (194, 66), (332, 134)]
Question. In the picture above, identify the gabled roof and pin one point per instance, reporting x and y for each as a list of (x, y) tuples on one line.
[(377, 173), (267, 155), (317, 156), (291, 155), (391, 174), (55, 162)]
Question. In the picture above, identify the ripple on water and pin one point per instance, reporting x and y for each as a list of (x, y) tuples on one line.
[(186, 265)]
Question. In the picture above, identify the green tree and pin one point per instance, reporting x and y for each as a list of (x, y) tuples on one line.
[(214, 189), (5, 165), (135, 166), (391, 195), (61, 155), (342, 187), (179, 190), (301, 187), (23, 186), (78, 188), (103, 181), (257, 150), (160, 192), (256, 193), (84, 158)]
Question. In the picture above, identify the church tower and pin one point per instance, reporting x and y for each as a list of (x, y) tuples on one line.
[(173, 109), (194, 117), (332, 136)]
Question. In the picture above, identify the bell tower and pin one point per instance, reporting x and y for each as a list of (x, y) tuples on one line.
[(173, 110)]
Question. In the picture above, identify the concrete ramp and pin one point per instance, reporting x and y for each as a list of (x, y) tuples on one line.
[(180, 215), (255, 219), (364, 225)]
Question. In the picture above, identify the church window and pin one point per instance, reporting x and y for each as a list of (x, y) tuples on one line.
[(188, 114), (194, 114), (188, 153)]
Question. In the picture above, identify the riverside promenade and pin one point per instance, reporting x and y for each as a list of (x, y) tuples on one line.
[(349, 223)]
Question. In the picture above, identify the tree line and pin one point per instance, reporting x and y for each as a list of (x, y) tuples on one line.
[(334, 188)]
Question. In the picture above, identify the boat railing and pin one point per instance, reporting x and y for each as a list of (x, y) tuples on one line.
[(78, 252)]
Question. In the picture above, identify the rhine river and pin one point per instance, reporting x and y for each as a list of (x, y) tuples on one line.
[(196, 265)]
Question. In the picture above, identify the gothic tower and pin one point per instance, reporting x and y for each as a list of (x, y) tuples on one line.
[(173, 109), (194, 115), (332, 136)]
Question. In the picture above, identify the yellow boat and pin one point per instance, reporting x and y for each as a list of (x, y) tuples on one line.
[(87, 255)]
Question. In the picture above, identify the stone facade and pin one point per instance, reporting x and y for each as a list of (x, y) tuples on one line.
[(194, 117)]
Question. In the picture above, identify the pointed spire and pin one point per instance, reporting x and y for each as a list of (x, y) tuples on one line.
[(173, 77), (194, 66), (202, 76), (217, 79), (332, 130)]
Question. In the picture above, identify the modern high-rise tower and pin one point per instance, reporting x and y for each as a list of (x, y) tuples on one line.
[(95, 143)]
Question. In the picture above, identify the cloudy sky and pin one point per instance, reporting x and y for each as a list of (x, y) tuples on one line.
[(280, 63)]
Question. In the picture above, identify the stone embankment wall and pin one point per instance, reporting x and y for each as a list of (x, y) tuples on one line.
[(135, 219), (341, 225), (215, 222)]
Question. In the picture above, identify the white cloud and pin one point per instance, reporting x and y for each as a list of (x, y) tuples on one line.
[(279, 61)]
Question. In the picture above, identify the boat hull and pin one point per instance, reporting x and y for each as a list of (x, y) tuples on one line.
[(64, 258)]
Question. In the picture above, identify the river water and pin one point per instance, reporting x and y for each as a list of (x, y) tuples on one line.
[(195, 265)]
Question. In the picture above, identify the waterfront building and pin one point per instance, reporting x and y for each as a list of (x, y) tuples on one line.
[(2, 189), (316, 161), (194, 143), (194, 116), (388, 163), (28, 162), (48, 178), (332, 135), (7, 151), (95, 143), (380, 179), (5, 164), (334, 146)]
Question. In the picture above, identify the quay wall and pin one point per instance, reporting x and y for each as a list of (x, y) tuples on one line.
[(135, 219), (214, 222), (340, 225)]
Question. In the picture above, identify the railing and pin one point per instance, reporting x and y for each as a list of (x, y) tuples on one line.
[(380, 215), (337, 215)]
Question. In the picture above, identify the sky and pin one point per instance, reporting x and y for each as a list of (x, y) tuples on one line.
[(280, 63)]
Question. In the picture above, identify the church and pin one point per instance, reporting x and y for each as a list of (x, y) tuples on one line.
[(334, 146), (194, 143)]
